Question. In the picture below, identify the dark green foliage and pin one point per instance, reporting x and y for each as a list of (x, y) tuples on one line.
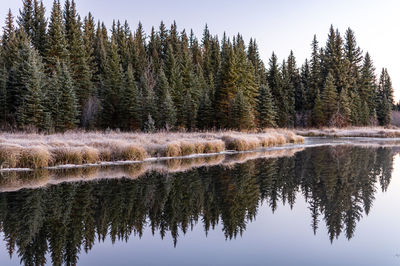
[(131, 106), (119, 79), (385, 100), (205, 114), (68, 105), (329, 99), (318, 112), (265, 108), (30, 110), (56, 45), (241, 116), (3, 95)]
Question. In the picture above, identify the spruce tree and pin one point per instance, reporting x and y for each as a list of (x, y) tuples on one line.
[(31, 111), (3, 95), (68, 101), (205, 113), (343, 113), (111, 87), (9, 47), (226, 89), (241, 116), (56, 44), (385, 100), (368, 84), (39, 34), (318, 112), (168, 113), (275, 82), (265, 108), (25, 19), (329, 99), (131, 102), (78, 58)]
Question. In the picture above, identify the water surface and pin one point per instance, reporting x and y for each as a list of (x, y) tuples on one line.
[(325, 205)]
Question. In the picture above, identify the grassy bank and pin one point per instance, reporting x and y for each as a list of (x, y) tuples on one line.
[(35, 151), (369, 132)]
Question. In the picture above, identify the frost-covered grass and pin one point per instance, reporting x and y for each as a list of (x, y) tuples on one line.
[(23, 150), (371, 132)]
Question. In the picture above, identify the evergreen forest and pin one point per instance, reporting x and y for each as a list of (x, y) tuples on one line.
[(66, 71)]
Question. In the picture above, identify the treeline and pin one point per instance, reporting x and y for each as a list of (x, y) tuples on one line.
[(339, 185), (66, 72)]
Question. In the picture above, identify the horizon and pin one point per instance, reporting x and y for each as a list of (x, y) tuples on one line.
[(310, 18)]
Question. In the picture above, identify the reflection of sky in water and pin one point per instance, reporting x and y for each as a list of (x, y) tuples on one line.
[(282, 238)]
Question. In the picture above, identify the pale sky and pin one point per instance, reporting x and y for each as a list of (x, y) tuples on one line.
[(276, 25)]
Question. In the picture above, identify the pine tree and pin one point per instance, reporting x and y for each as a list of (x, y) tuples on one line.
[(39, 34), (3, 95), (19, 72), (68, 102), (368, 84), (31, 111), (226, 89), (385, 100), (9, 49), (241, 116), (343, 113), (149, 126), (258, 65), (275, 82), (318, 112), (25, 19), (56, 45), (78, 58), (189, 115), (131, 102), (205, 113), (329, 98), (315, 73), (111, 88), (168, 114), (265, 108)]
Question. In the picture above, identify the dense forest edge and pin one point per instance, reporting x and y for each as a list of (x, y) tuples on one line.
[(65, 72)]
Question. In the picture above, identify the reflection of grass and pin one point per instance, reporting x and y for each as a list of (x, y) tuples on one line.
[(15, 180), (39, 151)]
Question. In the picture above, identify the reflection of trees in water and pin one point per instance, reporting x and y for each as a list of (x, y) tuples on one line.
[(338, 184)]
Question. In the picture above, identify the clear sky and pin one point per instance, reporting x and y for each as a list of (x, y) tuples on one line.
[(277, 25)]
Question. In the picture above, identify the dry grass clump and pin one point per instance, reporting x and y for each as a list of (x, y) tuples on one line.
[(34, 158), (9, 156), (240, 143), (173, 149), (214, 146), (90, 155), (187, 148), (132, 153), (62, 156)]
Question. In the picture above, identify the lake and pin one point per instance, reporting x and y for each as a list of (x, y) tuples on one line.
[(313, 205)]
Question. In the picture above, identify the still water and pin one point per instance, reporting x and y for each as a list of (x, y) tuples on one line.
[(328, 205)]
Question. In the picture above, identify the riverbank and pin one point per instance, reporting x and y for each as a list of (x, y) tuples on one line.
[(368, 132), (35, 151)]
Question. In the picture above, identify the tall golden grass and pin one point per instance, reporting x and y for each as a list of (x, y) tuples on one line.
[(22, 150)]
